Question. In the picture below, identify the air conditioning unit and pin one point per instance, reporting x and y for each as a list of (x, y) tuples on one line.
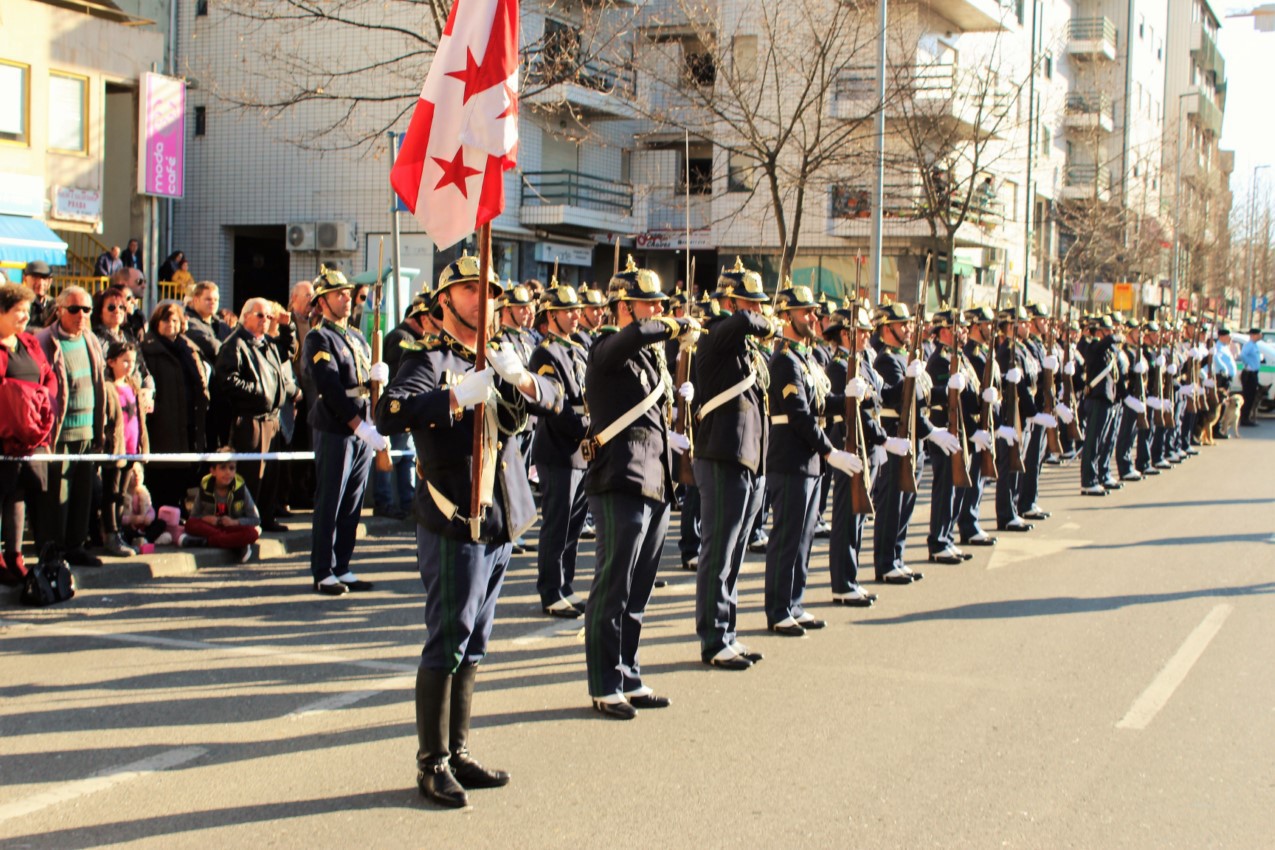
[(300, 236), (340, 237)]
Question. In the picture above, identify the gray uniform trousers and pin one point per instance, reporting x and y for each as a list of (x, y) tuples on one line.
[(729, 498)]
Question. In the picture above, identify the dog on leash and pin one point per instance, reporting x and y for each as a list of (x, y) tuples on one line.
[(1228, 423)]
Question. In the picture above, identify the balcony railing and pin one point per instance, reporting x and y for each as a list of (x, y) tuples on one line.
[(550, 68), (1089, 178), (574, 189), (905, 198), (960, 92), (1206, 112), (1091, 103), (1204, 51), (1092, 36)]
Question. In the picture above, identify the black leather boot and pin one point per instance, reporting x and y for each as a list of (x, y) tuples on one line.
[(433, 709), (468, 772)]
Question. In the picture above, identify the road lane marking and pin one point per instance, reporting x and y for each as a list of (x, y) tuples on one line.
[(245, 651), (339, 701), (1157, 694), (100, 781)]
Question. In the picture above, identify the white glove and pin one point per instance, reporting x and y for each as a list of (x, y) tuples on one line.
[(944, 439), (898, 446), (507, 363), (926, 383), (1063, 412), (380, 373), (367, 433), (1014, 375), (990, 395), (686, 392), (1199, 353), (1049, 362), (982, 439), (1007, 434), (473, 389), (1159, 361), (1044, 420), (856, 388), (1171, 368), (678, 442), (1154, 403), (847, 462), (1186, 390), (1134, 404), (915, 368), (1069, 368), (956, 382), (1210, 383), (878, 455), (1140, 368)]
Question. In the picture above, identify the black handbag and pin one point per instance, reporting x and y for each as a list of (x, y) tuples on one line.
[(50, 581)]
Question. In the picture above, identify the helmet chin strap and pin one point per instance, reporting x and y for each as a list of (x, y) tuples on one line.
[(447, 305)]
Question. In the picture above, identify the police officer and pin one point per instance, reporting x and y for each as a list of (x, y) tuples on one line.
[(799, 394), (339, 362), (1031, 335), (893, 504), (556, 452), (629, 483), (944, 497), (1102, 377), (731, 430), (978, 350), (849, 331), (462, 559)]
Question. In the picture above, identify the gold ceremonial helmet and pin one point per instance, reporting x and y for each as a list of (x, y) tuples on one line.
[(739, 282), (892, 312), (516, 296), (330, 280), (463, 270), (635, 284), (560, 298), (794, 297)]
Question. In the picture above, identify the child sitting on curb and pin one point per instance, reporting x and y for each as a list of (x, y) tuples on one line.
[(224, 513)]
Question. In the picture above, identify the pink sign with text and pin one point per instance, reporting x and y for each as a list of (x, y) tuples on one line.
[(162, 110)]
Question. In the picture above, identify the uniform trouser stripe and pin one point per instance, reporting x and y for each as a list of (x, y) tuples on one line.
[(795, 501), (970, 500), (462, 582), (1034, 460), (729, 498), (846, 537)]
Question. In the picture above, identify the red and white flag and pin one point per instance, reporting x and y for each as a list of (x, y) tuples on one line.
[(463, 135)]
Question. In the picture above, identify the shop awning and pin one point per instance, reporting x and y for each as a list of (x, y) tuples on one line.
[(25, 239)]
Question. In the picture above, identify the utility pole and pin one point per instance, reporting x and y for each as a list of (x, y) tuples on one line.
[(878, 164)]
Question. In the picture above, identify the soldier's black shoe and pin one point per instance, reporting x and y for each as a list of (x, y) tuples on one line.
[(945, 557), (1112, 485), (690, 563), (981, 539), (564, 609), (358, 585), (616, 710), (810, 623), (437, 783), (1016, 525), (735, 662), (471, 774), (745, 652), (787, 629), (338, 589), (649, 701), (1037, 514), (1093, 490)]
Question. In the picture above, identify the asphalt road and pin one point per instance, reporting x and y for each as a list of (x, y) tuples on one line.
[(1102, 682)]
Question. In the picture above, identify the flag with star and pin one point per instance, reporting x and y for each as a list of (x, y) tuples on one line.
[(463, 135)]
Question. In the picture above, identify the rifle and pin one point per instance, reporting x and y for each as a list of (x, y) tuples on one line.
[(1166, 381), (1193, 406), (860, 497), (907, 424), (1053, 445), (685, 461), (383, 461), (480, 363), (955, 410), (1069, 387), (1143, 423)]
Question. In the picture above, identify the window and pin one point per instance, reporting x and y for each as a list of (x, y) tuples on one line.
[(1049, 66), (700, 174), (1142, 25), (201, 8), (1009, 197), (201, 120), (1046, 141), (744, 54), (739, 173), (559, 52), (68, 113), (1020, 10), (15, 102)]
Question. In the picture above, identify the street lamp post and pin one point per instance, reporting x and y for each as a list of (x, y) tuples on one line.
[(878, 165), (1246, 309)]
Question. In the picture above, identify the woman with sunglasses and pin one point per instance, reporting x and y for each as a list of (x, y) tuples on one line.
[(111, 307)]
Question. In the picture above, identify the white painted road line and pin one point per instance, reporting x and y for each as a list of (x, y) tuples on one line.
[(348, 698), (1157, 694), (100, 781)]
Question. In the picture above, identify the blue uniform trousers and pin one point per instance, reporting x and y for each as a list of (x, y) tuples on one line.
[(691, 527), (729, 498), (943, 501), (1159, 443), (970, 499), (631, 532), (341, 467), (1187, 429), (893, 513), (794, 499), (1107, 448), (563, 505), (1097, 419), (1008, 483), (1126, 438), (846, 538), (1034, 460), (462, 582)]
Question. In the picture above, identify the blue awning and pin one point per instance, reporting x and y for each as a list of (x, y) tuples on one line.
[(25, 239)]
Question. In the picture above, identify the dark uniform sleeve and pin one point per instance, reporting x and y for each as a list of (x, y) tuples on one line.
[(786, 375), (320, 363), (629, 341), (572, 426), (414, 397)]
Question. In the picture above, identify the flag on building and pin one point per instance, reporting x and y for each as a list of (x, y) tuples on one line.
[(463, 135)]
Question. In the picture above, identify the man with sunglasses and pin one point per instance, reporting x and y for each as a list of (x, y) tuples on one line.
[(79, 411)]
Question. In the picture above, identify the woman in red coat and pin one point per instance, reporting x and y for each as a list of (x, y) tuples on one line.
[(27, 385)]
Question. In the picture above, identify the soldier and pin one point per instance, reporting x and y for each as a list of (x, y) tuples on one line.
[(339, 363), (559, 461), (1132, 419), (687, 494), (517, 314), (1154, 461), (944, 498), (798, 394), (1102, 376), (392, 491), (462, 560), (851, 326), (629, 482), (1016, 377), (1032, 339), (592, 313), (731, 432), (977, 351)]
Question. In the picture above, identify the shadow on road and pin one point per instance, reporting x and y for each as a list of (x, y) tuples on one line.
[(1256, 537), (1012, 608)]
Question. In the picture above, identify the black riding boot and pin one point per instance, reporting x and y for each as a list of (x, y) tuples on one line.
[(433, 708), (468, 772)]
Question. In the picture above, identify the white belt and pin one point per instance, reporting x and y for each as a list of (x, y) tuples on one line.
[(1101, 375), (886, 411), (578, 409), (782, 419), (444, 504), (630, 416), (726, 395), (358, 392)]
